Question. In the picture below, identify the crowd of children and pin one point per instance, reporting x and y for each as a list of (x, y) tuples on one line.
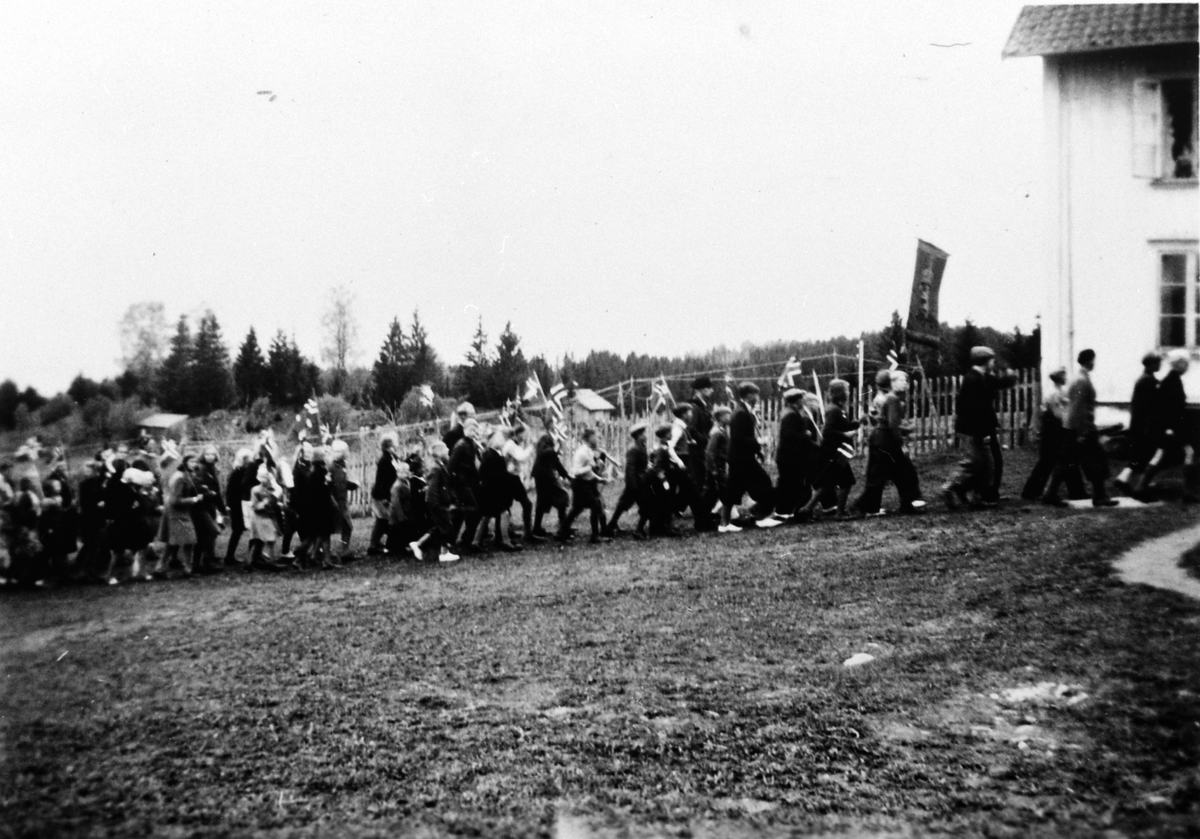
[(145, 512)]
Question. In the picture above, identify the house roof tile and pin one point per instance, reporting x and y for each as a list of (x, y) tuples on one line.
[(1061, 30)]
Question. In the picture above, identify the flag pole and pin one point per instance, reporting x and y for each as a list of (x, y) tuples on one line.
[(862, 391)]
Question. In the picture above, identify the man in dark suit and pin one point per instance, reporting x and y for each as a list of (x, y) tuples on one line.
[(1082, 440), (746, 473), (976, 423), (1174, 441), (796, 455), (1143, 431)]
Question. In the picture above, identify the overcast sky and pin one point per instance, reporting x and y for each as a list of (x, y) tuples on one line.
[(641, 177)]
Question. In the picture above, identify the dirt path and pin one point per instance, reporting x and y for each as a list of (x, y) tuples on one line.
[(1156, 563)]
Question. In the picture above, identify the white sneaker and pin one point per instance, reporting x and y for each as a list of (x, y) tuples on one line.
[(918, 504), (769, 521), (728, 528), (415, 547), (448, 557), (876, 514)]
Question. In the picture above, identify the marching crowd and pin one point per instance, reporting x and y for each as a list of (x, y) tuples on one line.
[(147, 512)]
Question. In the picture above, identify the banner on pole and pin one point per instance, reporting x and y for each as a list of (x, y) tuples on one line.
[(923, 326)]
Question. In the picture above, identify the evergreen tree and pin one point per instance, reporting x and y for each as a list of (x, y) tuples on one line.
[(965, 337), (212, 385), (891, 338), (10, 398), (250, 371), (83, 389), (476, 377), (426, 368), (175, 373), (510, 369), (392, 373), (291, 378)]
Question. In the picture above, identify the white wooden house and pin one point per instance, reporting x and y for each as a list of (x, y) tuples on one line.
[(1122, 229)]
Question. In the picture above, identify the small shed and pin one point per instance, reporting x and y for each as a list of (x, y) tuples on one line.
[(586, 407), (161, 425)]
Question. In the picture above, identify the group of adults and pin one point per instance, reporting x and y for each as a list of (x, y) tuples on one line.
[(145, 512)]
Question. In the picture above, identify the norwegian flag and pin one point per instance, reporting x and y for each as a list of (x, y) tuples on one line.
[(308, 422), (817, 391), (533, 389), (662, 393), (790, 371), (554, 401), (426, 396), (508, 412)]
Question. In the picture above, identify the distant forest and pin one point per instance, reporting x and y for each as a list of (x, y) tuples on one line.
[(179, 370)]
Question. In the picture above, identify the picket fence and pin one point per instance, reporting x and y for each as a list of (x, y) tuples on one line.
[(930, 410)]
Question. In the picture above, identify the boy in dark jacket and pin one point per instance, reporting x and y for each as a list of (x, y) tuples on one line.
[(548, 474), (636, 463)]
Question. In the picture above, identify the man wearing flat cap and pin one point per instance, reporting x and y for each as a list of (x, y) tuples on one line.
[(699, 428), (795, 455), (976, 423)]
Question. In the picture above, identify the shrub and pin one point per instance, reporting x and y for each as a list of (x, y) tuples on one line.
[(261, 415), (336, 413), (97, 413), (58, 408)]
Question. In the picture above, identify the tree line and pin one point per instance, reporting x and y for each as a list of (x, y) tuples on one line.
[(190, 371)]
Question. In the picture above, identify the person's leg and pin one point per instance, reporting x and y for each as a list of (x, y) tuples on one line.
[(235, 535), (521, 496), (762, 491), (624, 504), (997, 456), (540, 510), (1047, 454), (346, 532), (1095, 463), (1068, 459), (379, 529), (578, 505), (289, 531)]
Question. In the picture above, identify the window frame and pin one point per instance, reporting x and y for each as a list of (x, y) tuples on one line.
[(1190, 250)]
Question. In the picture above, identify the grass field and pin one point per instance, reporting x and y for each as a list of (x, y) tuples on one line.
[(678, 687)]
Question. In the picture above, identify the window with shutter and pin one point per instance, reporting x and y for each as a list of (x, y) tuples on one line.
[(1147, 129), (1165, 129)]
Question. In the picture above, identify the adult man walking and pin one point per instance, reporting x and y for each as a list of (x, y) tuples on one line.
[(746, 472), (976, 423), (1143, 423), (1082, 443), (1173, 440)]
